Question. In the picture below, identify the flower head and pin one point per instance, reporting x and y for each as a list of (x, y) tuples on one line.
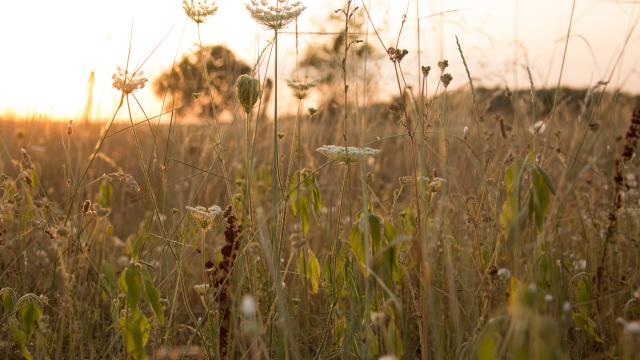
[(276, 16), (248, 91), (128, 83), (204, 216), (504, 274), (199, 10), (300, 88), (346, 155)]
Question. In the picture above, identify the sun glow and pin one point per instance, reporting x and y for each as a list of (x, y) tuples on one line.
[(52, 47)]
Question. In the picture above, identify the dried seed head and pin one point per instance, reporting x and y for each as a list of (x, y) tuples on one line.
[(70, 128), (248, 91), (204, 216), (301, 88), (446, 79), (396, 55), (443, 65), (426, 70), (86, 206)]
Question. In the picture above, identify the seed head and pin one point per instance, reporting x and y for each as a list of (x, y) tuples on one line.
[(446, 79), (504, 274), (301, 88), (276, 16), (204, 216), (426, 70), (248, 91), (443, 65), (199, 10)]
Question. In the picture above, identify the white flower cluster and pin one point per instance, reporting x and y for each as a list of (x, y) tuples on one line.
[(347, 155), (199, 10), (204, 216), (128, 84), (276, 16), (301, 88)]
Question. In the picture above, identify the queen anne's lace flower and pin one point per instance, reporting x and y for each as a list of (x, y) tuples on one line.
[(301, 88), (128, 83), (199, 10), (204, 216), (346, 155), (276, 16)]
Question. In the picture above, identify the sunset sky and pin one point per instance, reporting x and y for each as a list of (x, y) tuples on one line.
[(50, 47)]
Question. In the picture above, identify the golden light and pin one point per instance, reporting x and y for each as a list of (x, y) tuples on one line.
[(50, 48)]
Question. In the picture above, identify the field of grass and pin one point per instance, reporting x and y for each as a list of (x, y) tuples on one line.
[(472, 223)]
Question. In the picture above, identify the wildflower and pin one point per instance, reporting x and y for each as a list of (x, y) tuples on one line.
[(566, 306), (538, 127), (122, 261), (636, 294), (301, 88), (128, 84), (276, 16), (346, 154), (248, 91), (580, 264), (465, 132), (504, 274), (204, 216), (312, 111), (443, 65), (248, 306), (199, 10), (446, 79), (548, 298)]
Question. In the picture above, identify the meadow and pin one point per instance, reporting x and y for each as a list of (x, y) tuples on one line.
[(475, 223)]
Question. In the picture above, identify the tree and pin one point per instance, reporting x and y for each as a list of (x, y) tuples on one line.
[(186, 81)]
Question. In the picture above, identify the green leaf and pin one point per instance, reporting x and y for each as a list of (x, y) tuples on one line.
[(131, 284), (136, 334), (152, 295), (8, 300), (357, 245), (30, 312), (105, 194), (375, 231), (309, 266)]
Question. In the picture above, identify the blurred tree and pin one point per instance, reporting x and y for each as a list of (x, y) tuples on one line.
[(186, 81)]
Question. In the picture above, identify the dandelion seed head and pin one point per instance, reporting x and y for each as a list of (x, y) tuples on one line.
[(248, 306)]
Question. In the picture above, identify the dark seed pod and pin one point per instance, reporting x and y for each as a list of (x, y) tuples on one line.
[(248, 92)]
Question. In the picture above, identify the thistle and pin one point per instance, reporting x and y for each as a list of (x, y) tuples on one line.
[(346, 154), (248, 92), (199, 10), (276, 16)]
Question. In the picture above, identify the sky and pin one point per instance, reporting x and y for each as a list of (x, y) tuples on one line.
[(50, 47)]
